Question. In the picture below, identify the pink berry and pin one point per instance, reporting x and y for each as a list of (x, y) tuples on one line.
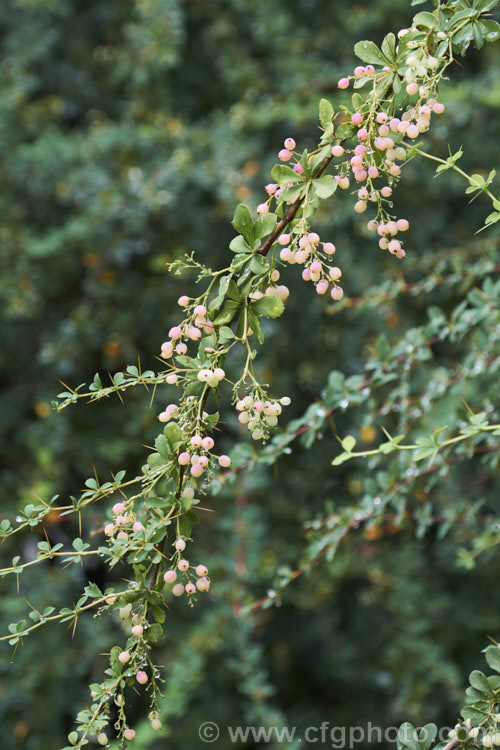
[(175, 333), (181, 348), (118, 508), (306, 274), (381, 118), (386, 191), (413, 131), (170, 576), (167, 349), (335, 273), (141, 677), (360, 207), (121, 520), (178, 589), (298, 168), (360, 149), (200, 311), (360, 175), (180, 545), (201, 570), (329, 248), (438, 108), (289, 144), (270, 188), (412, 88), (343, 83), (337, 150), (183, 301), (129, 734), (137, 630), (203, 584), (190, 588), (183, 565), (138, 526), (196, 441), (362, 134), (357, 118), (359, 71), (283, 239), (373, 172), (224, 460), (262, 209), (337, 293), (184, 458), (322, 287), (403, 225), (313, 238), (394, 246), (285, 254), (285, 154), (123, 657), (316, 267), (369, 70), (395, 170), (394, 123), (207, 443), (383, 130), (109, 529), (203, 461), (196, 470), (357, 161), (122, 535)]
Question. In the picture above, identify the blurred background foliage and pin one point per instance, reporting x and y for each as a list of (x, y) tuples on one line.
[(128, 133)]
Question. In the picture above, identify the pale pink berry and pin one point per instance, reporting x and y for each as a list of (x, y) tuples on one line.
[(207, 443), (363, 194), (357, 161), (283, 239), (386, 191), (372, 225), (201, 570), (313, 238), (178, 589), (123, 657), (412, 88), (383, 243), (337, 150), (137, 630), (359, 71), (360, 149), (180, 545), (270, 188), (337, 293), (129, 734), (403, 225), (306, 274), (184, 458), (190, 588), (141, 677), (316, 267), (285, 254), (196, 470), (394, 123), (369, 70), (181, 348), (200, 311), (394, 246), (156, 724), (170, 576), (262, 209), (183, 565), (203, 584), (401, 253), (224, 460), (372, 172), (383, 130), (344, 183), (175, 333), (362, 134), (381, 118), (138, 526), (298, 168), (109, 529), (121, 520), (289, 144), (395, 170), (359, 207), (357, 118), (329, 248), (360, 175), (343, 83), (203, 461), (167, 349), (183, 301), (392, 228), (122, 535), (322, 287), (219, 373), (413, 131), (194, 333), (118, 508), (438, 108), (196, 441), (285, 154), (335, 273)]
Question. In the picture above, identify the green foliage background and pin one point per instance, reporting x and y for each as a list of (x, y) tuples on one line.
[(128, 133)]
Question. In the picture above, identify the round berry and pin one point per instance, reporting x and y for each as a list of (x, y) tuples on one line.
[(190, 588), (141, 677), (178, 589), (285, 154), (123, 657), (289, 144), (170, 576), (337, 293), (129, 734), (184, 458), (224, 461), (343, 83)]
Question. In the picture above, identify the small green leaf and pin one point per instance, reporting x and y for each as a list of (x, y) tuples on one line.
[(243, 223), (348, 443), (325, 113), (325, 186), (270, 307), (239, 245), (283, 174), (369, 52)]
